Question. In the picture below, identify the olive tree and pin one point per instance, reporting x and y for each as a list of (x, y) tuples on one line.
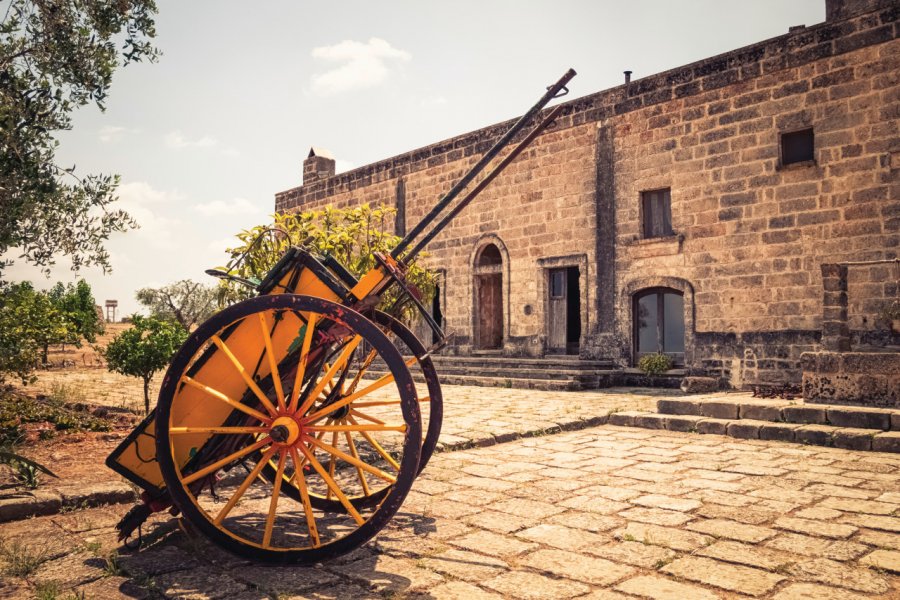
[(54, 58), (185, 302)]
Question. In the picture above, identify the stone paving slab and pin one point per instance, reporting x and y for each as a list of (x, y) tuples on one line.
[(605, 512)]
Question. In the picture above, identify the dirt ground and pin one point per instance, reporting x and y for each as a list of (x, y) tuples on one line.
[(69, 356), (79, 377)]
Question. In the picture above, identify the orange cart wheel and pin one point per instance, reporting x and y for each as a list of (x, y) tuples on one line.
[(264, 382)]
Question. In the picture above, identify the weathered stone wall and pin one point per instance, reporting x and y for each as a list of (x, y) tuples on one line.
[(749, 233)]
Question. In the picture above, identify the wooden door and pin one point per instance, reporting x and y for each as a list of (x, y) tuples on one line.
[(558, 311), (490, 311)]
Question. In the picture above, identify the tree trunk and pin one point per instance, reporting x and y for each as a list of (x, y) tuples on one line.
[(147, 395), (46, 353)]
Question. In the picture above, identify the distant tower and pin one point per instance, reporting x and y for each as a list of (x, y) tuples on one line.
[(111, 310)]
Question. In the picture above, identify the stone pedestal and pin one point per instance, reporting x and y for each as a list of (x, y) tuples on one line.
[(857, 378)]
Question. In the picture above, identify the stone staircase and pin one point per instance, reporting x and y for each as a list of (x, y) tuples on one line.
[(561, 373), (850, 427)]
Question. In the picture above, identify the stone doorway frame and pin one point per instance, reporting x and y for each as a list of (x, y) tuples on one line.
[(624, 312), (545, 265), (504, 271)]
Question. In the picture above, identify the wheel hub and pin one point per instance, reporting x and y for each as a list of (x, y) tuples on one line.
[(285, 431)]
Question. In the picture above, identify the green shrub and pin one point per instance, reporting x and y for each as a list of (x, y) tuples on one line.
[(655, 364), (144, 349)]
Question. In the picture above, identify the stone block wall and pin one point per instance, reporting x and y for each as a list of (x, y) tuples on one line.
[(749, 233)]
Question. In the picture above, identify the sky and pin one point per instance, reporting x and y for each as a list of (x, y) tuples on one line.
[(205, 137)]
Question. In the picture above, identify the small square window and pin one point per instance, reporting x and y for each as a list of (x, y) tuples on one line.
[(656, 213), (797, 147)]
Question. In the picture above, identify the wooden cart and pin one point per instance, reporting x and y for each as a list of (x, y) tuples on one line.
[(288, 426)]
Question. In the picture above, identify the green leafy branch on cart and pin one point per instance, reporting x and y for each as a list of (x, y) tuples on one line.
[(349, 235)]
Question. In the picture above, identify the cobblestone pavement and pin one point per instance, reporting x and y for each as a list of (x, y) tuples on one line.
[(601, 513), (472, 415)]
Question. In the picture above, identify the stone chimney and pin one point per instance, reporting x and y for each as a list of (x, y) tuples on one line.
[(841, 9), (319, 164)]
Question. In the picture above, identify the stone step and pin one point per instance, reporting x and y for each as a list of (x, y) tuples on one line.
[(512, 382), (783, 411), (523, 373), (508, 362), (551, 373), (521, 378), (851, 438)]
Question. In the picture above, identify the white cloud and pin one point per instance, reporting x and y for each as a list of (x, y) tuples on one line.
[(236, 206), (114, 133), (147, 206), (359, 65), (176, 139), (141, 193)]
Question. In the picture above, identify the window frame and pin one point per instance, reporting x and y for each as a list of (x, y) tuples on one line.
[(806, 160), (659, 292), (649, 222)]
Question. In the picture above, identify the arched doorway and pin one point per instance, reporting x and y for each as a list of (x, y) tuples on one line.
[(488, 269), (658, 319)]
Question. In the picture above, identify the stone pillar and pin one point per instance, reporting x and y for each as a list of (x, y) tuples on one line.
[(835, 331), (319, 164)]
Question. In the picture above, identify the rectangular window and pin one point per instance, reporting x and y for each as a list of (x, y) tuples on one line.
[(557, 283), (797, 147), (656, 213)]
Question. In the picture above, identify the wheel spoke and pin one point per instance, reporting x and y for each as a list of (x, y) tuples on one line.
[(273, 504), (247, 377), (363, 415), (354, 461), (273, 367), (359, 472), (230, 401), (225, 430), (243, 487), (331, 462), (304, 497), (375, 427), (366, 363), (304, 358), (328, 376), (221, 463), (384, 453), (386, 402), (379, 383), (331, 484)]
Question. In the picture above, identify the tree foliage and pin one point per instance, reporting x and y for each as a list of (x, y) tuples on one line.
[(29, 323), (78, 309), (349, 235), (56, 56), (184, 302), (144, 349)]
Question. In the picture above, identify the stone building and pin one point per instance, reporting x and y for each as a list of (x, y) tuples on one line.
[(687, 212)]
